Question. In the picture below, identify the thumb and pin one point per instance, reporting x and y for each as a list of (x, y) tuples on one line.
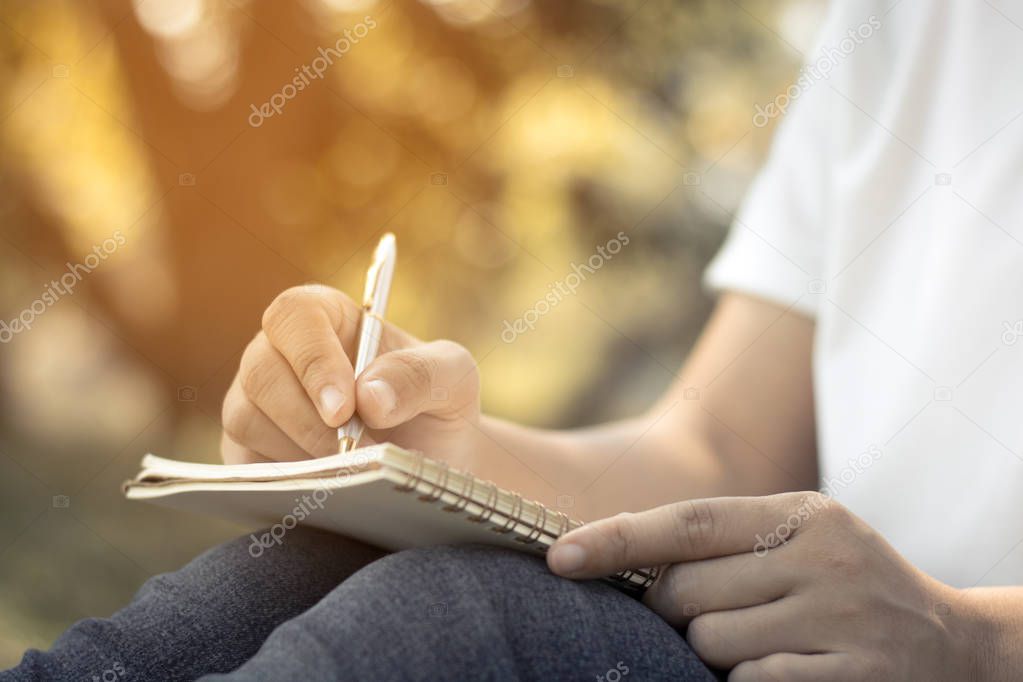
[(438, 378)]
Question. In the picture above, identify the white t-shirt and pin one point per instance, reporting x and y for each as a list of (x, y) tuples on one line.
[(891, 210)]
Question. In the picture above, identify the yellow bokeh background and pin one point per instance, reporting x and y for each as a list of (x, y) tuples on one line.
[(502, 141)]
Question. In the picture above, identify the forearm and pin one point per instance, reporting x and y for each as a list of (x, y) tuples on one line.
[(622, 466), (646, 462), (993, 630), (737, 421)]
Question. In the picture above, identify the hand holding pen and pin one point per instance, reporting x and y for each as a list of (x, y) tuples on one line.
[(306, 373)]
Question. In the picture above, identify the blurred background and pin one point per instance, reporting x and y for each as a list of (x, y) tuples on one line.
[(150, 209)]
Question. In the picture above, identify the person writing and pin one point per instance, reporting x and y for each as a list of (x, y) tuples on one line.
[(839, 502)]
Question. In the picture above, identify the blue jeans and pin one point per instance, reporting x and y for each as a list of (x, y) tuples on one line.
[(320, 607)]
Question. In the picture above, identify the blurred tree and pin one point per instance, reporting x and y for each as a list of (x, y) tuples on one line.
[(503, 141)]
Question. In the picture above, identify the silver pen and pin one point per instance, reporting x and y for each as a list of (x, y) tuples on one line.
[(371, 326)]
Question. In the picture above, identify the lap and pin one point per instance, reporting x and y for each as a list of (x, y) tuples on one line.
[(211, 615), (319, 606), (474, 613)]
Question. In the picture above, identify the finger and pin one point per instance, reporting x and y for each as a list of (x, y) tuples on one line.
[(303, 324), (684, 591), (247, 426), (797, 668), (726, 638), (312, 327), (684, 531), (271, 385), (308, 325), (438, 378)]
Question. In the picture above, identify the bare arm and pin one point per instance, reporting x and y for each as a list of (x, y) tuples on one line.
[(749, 432)]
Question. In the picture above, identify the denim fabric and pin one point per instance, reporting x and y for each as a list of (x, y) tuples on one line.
[(319, 607), (210, 616)]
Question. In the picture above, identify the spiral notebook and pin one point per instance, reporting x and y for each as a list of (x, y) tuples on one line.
[(382, 494)]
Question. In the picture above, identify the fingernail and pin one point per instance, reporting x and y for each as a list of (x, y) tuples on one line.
[(331, 400), (567, 559), (383, 394)]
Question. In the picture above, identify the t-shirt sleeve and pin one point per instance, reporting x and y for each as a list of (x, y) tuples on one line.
[(775, 246)]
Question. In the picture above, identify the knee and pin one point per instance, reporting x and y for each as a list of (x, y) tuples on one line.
[(282, 545), (465, 566), (469, 588), (459, 587), (302, 558), (445, 607), (488, 610)]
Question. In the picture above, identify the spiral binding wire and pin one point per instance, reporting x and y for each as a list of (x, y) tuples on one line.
[(536, 530), (415, 476), (439, 484), (512, 519), (634, 580), (462, 498), (489, 507), (564, 523)]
